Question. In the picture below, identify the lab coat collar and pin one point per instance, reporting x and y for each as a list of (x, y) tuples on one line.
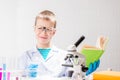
[(52, 52)]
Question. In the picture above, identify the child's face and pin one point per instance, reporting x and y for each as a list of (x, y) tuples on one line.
[(44, 31)]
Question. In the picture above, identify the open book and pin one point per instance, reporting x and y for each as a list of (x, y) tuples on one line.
[(93, 53)]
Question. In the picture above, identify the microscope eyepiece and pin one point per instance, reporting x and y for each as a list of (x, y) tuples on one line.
[(79, 41)]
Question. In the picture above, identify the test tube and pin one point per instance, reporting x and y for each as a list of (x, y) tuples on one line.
[(0, 73), (4, 67)]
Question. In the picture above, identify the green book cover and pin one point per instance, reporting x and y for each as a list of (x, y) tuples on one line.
[(91, 55)]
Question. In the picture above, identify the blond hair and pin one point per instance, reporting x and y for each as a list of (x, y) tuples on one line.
[(47, 15)]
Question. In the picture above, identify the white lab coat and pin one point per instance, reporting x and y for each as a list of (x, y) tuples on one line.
[(51, 66)]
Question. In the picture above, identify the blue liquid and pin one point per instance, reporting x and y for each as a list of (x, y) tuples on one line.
[(32, 70)]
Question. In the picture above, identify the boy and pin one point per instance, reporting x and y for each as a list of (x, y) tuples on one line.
[(48, 57)]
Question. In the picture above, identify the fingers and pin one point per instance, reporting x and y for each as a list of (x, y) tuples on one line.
[(93, 67), (98, 63)]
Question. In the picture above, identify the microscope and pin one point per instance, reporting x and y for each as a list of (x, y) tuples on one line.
[(76, 61)]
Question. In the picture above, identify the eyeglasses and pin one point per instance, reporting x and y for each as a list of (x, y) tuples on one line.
[(46, 29)]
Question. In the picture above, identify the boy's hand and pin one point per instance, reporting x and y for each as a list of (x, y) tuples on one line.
[(93, 67)]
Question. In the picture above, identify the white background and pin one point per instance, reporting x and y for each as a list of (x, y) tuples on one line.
[(75, 18)]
